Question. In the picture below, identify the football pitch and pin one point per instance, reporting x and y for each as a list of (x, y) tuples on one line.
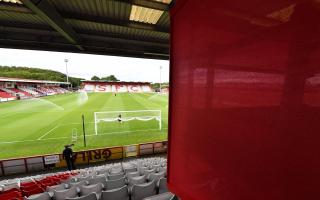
[(44, 125)]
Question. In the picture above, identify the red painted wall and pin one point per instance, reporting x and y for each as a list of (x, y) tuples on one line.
[(244, 102)]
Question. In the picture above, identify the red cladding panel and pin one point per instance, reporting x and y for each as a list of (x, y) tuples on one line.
[(245, 100)]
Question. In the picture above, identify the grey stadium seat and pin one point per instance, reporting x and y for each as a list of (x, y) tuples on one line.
[(162, 184), (63, 194), (137, 180), (116, 194), (133, 174), (62, 186), (98, 179), (163, 196), (116, 176), (142, 170), (115, 170), (129, 170), (78, 184), (114, 184), (149, 171), (156, 176), (79, 179), (41, 196), (142, 191), (102, 171), (91, 196), (87, 189)]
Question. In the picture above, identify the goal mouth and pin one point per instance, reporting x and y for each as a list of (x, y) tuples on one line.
[(131, 118)]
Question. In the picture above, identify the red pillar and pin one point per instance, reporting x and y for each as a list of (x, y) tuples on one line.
[(243, 123)]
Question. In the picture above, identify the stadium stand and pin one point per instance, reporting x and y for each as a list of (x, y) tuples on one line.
[(13, 88), (31, 91), (5, 96), (21, 93), (137, 179), (105, 86)]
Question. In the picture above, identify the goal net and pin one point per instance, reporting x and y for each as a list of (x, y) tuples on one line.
[(126, 121)]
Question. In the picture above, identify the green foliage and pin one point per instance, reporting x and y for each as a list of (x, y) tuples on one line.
[(110, 78), (95, 78), (156, 86), (36, 74)]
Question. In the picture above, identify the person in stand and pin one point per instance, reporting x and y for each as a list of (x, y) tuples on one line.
[(68, 156)]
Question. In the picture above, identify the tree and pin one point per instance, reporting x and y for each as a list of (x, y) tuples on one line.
[(95, 78), (36, 74), (110, 78)]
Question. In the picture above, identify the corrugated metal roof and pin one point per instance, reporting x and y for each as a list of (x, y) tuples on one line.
[(164, 20), (79, 26), (13, 17), (116, 30), (101, 8)]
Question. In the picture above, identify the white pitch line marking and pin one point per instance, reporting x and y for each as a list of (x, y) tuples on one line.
[(90, 135), (48, 132)]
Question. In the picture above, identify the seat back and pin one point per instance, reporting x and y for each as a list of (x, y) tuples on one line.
[(149, 171), (78, 184), (41, 196), (98, 179), (116, 194), (114, 184), (129, 170), (163, 196), (156, 176), (63, 194), (142, 170), (57, 187), (115, 170), (141, 191), (137, 180), (91, 196), (79, 179), (133, 174), (115, 176), (87, 189)]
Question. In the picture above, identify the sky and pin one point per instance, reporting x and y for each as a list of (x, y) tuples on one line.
[(86, 65)]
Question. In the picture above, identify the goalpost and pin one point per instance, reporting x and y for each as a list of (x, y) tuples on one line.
[(125, 116)]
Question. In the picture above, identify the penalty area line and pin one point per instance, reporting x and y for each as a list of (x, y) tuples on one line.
[(48, 132), (59, 138)]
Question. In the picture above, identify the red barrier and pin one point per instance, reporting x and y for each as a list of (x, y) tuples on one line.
[(22, 165)]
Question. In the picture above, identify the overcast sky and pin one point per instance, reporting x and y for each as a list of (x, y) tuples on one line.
[(86, 66)]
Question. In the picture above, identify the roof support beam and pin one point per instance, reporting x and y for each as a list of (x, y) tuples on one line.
[(47, 12)]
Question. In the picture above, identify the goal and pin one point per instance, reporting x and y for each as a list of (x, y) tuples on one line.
[(124, 117)]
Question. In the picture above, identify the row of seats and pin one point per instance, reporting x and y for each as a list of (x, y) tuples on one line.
[(122, 178), (20, 92), (6, 95), (16, 189)]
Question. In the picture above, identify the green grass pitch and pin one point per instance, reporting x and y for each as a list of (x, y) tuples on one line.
[(44, 125)]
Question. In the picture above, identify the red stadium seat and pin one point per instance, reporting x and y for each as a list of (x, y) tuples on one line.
[(10, 195), (31, 191)]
